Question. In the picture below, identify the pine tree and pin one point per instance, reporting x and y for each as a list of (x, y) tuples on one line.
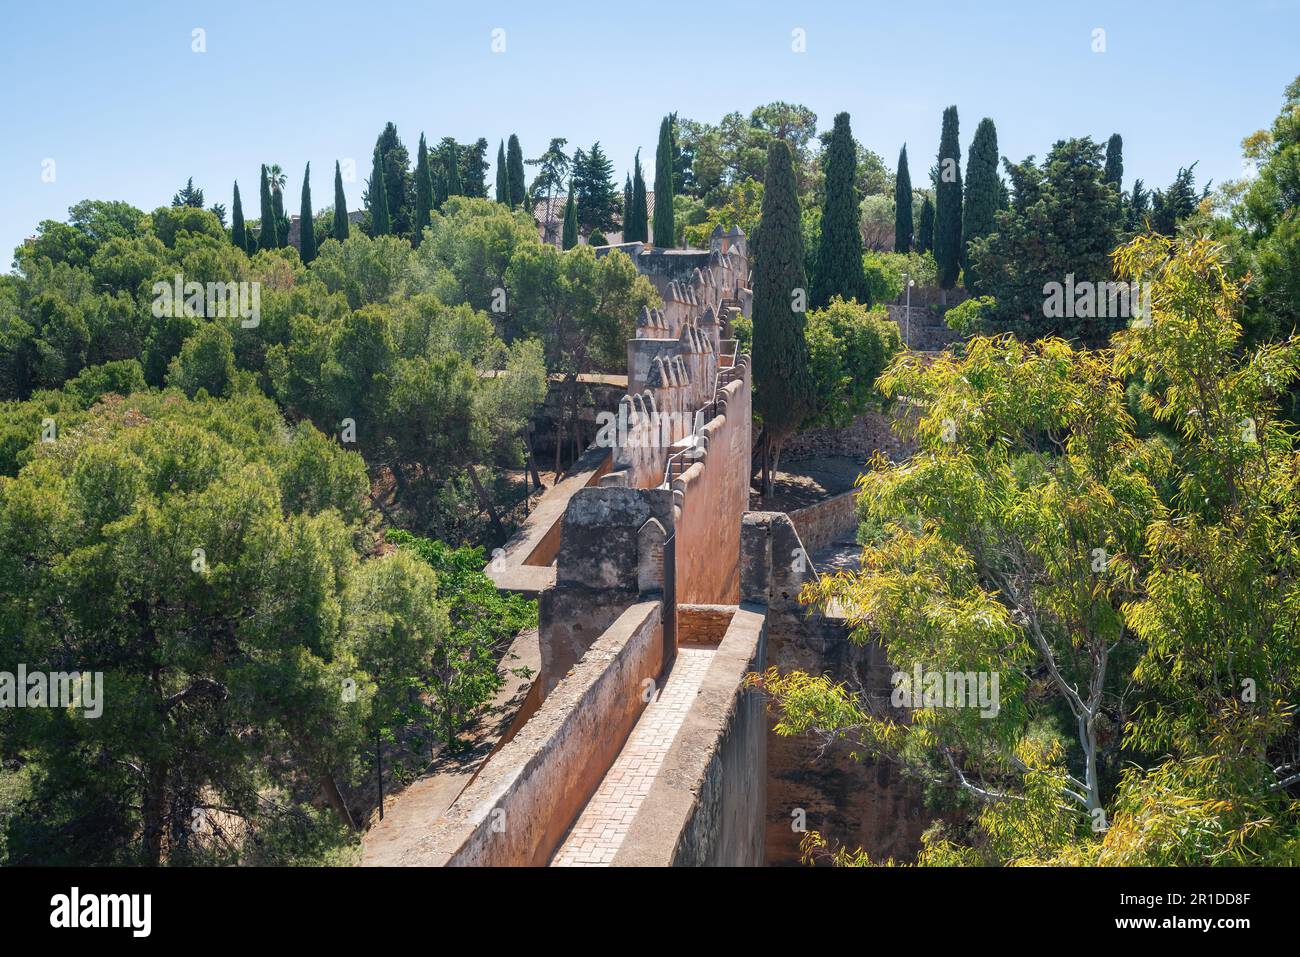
[(423, 194), (592, 183), (569, 238), (266, 239), (903, 228), (503, 176), (637, 229), (947, 203), (473, 168), (237, 234), (340, 206), (925, 234), (782, 382), (838, 267), (665, 231), (983, 194), (306, 224), (515, 166), (378, 196), (189, 196)]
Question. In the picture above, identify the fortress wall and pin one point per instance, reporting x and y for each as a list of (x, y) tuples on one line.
[(707, 805), (517, 811), (615, 550), (711, 496)]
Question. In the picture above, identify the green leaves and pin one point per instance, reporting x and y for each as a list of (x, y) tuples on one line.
[(1137, 596)]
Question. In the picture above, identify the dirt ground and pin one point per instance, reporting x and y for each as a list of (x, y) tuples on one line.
[(808, 481)]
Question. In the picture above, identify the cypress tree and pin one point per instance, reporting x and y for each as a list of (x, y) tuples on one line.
[(838, 267), (503, 176), (947, 203), (925, 234), (379, 222), (904, 230), (1114, 171), (340, 206), (983, 194), (451, 168), (1113, 174), (782, 383), (266, 238), (569, 238), (423, 194), (664, 229), (281, 220), (515, 168), (627, 200), (237, 233), (306, 225), (638, 229)]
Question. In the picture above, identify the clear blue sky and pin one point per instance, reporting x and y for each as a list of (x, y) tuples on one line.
[(114, 95)]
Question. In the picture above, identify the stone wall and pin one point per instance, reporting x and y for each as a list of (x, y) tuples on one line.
[(868, 433), (827, 521), (852, 803), (707, 804), (711, 496), (517, 811)]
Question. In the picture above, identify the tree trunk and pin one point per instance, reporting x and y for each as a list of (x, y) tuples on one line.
[(485, 501), (532, 462), (155, 799), (335, 799)]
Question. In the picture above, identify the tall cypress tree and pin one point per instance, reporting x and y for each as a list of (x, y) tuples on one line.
[(451, 168), (838, 267), (379, 222), (423, 194), (904, 231), (503, 176), (515, 167), (947, 203), (782, 383), (340, 206), (569, 238), (665, 230), (983, 194), (306, 225), (925, 233), (266, 239), (638, 229), (237, 234), (627, 199), (1113, 173), (277, 205)]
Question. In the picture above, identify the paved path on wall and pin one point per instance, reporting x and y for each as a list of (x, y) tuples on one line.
[(842, 555), (603, 824)]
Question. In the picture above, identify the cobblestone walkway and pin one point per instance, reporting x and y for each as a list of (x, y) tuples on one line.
[(605, 821)]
